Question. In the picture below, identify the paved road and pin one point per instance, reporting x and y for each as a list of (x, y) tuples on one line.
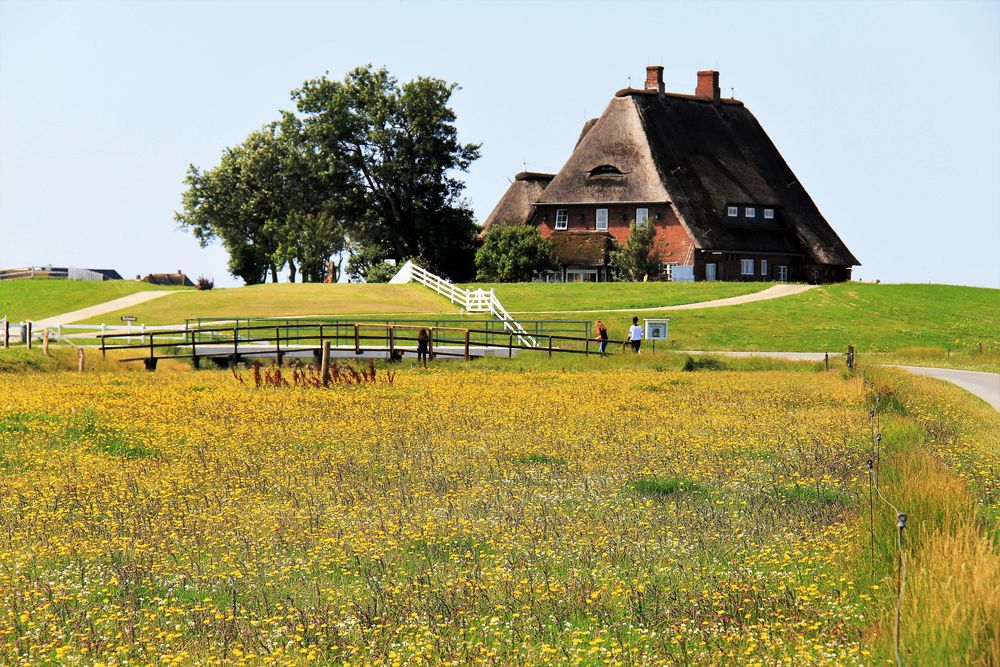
[(774, 292), (101, 308), (984, 385)]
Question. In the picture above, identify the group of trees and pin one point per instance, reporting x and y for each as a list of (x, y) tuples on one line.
[(516, 253), (363, 170)]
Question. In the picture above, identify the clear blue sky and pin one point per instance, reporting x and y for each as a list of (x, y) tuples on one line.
[(889, 113)]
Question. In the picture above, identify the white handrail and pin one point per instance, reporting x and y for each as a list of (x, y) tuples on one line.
[(472, 301)]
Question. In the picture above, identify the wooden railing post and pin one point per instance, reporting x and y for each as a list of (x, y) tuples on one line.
[(45, 342), (6, 334), (236, 344), (391, 330), (430, 343), (79, 359), (324, 366), (194, 352), (467, 345), (357, 339), (550, 347), (510, 346), (28, 329)]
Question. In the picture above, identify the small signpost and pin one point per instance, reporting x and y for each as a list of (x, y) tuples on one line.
[(129, 319), (657, 330)]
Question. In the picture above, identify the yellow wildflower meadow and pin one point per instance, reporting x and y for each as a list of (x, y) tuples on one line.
[(631, 517)]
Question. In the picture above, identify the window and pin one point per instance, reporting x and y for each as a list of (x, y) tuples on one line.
[(602, 220), (641, 217), (733, 211), (769, 214), (606, 170), (711, 271), (667, 269), (562, 218), (763, 267), (746, 267), (751, 212), (782, 273)]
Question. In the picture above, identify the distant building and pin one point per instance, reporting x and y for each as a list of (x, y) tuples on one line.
[(701, 170), (59, 272), (178, 279)]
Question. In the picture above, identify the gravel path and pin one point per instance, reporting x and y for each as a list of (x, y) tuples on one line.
[(774, 292), (101, 308)]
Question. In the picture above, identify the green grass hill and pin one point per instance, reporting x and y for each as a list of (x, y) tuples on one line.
[(40, 298)]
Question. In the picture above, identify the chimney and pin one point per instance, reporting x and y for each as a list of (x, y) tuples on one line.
[(708, 85), (654, 78)]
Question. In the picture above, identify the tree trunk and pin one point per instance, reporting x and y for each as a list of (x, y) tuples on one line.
[(291, 271), (274, 273)]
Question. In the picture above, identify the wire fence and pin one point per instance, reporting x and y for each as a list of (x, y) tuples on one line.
[(875, 491)]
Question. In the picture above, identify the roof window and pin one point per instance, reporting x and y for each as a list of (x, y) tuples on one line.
[(606, 170)]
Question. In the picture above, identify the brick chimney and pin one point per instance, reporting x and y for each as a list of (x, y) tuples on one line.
[(708, 85), (654, 78)]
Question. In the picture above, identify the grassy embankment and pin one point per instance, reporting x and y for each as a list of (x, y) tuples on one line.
[(41, 298)]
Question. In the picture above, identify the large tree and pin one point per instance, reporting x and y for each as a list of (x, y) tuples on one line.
[(391, 152), (245, 200)]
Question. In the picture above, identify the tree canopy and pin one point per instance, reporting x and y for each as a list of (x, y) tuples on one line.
[(513, 253), (638, 258), (364, 167)]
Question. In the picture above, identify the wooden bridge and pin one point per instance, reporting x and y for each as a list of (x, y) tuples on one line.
[(228, 345)]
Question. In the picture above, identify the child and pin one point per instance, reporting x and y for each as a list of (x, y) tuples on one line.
[(423, 342), (635, 335), (602, 337)]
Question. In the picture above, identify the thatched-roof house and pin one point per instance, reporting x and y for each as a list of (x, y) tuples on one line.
[(703, 172)]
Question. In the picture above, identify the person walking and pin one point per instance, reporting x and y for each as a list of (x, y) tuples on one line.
[(423, 343), (602, 337), (635, 335)]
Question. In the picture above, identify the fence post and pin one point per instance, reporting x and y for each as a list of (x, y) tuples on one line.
[(510, 346), (550, 347), (79, 359), (194, 352), (826, 360), (104, 351), (466, 344), (28, 329), (45, 342), (391, 330), (430, 343), (357, 339), (6, 334), (324, 367), (59, 336), (850, 357), (277, 344)]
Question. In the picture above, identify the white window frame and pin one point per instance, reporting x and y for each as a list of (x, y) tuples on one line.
[(733, 211), (641, 217), (562, 218), (746, 267), (751, 212), (763, 267), (667, 269), (601, 219), (783, 273), (769, 214)]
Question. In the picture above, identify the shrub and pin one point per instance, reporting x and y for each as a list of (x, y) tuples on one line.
[(513, 254), (204, 283)]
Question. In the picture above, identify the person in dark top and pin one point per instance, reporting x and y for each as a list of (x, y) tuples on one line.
[(423, 343), (602, 337)]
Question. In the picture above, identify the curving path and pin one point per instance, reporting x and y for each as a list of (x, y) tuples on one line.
[(773, 292), (101, 308), (984, 385)]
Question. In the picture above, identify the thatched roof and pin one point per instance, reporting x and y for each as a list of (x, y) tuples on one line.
[(515, 207), (581, 248), (699, 155)]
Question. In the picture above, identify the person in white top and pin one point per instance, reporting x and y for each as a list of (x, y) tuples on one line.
[(635, 335)]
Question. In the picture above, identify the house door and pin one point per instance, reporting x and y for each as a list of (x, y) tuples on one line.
[(783, 273), (710, 271)]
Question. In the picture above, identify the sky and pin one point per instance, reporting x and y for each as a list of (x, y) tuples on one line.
[(888, 113)]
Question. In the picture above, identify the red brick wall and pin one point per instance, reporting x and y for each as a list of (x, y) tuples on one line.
[(672, 240)]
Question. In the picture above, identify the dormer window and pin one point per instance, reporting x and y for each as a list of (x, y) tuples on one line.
[(606, 170), (751, 212), (769, 214), (733, 211)]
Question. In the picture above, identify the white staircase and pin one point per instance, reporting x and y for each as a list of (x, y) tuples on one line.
[(473, 301)]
